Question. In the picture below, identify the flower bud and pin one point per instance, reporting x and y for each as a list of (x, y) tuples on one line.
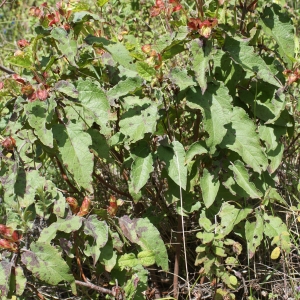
[(9, 143), (85, 207), (5, 244), (73, 204)]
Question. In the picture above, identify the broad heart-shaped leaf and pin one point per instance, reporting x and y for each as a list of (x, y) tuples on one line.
[(242, 138), (5, 273), (200, 59), (245, 56), (230, 216), (143, 233), (254, 234), (68, 225), (279, 26), (140, 171), (174, 157), (66, 45), (118, 51), (37, 112), (73, 145), (137, 121), (216, 107), (45, 263), (209, 186), (241, 177), (94, 102), (129, 85)]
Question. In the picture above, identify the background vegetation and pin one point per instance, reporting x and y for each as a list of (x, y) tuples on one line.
[(150, 149)]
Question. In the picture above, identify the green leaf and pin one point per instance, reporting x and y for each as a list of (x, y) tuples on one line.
[(271, 135), (129, 85), (66, 88), (99, 143), (98, 230), (143, 233), (73, 145), (181, 78), (66, 45), (254, 234), (200, 60), (128, 260), (245, 56), (196, 148), (102, 2), (137, 121), (279, 26), (140, 171), (275, 156), (146, 258), (241, 137), (23, 61), (174, 157), (84, 16), (241, 177), (145, 71), (118, 51), (108, 256), (67, 225), (230, 216), (20, 280), (37, 113), (45, 263), (209, 186), (216, 107), (94, 102)]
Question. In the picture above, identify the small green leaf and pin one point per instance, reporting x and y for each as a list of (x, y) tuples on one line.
[(66, 88), (196, 148), (20, 280), (209, 186), (5, 273), (128, 260), (181, 78), (102, 2), (23, 61), (129, 85)]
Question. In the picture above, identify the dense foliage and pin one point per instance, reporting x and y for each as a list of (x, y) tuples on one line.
[(146, 149)]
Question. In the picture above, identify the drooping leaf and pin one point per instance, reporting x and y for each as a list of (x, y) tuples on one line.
[(196, 148), (174, 157), (245, 56), (275, 156), (254, 234), (271, 135), (99, 143), (20, 280), (209, 186), (241, 137), (275, 253), (143, 233), (278, 25), (37, 113), (216, 107), (46, 263), (200, 60), (73, 145), (84, 16), (241, 177), (181, 78), (66, 44), (108, 256)]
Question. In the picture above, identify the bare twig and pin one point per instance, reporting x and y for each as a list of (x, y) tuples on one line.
[(4, 69), (95, 287)]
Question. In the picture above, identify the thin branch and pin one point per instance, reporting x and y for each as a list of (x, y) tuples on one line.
[(4, 69), (113, 188), (3, 2), (95, 287)]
